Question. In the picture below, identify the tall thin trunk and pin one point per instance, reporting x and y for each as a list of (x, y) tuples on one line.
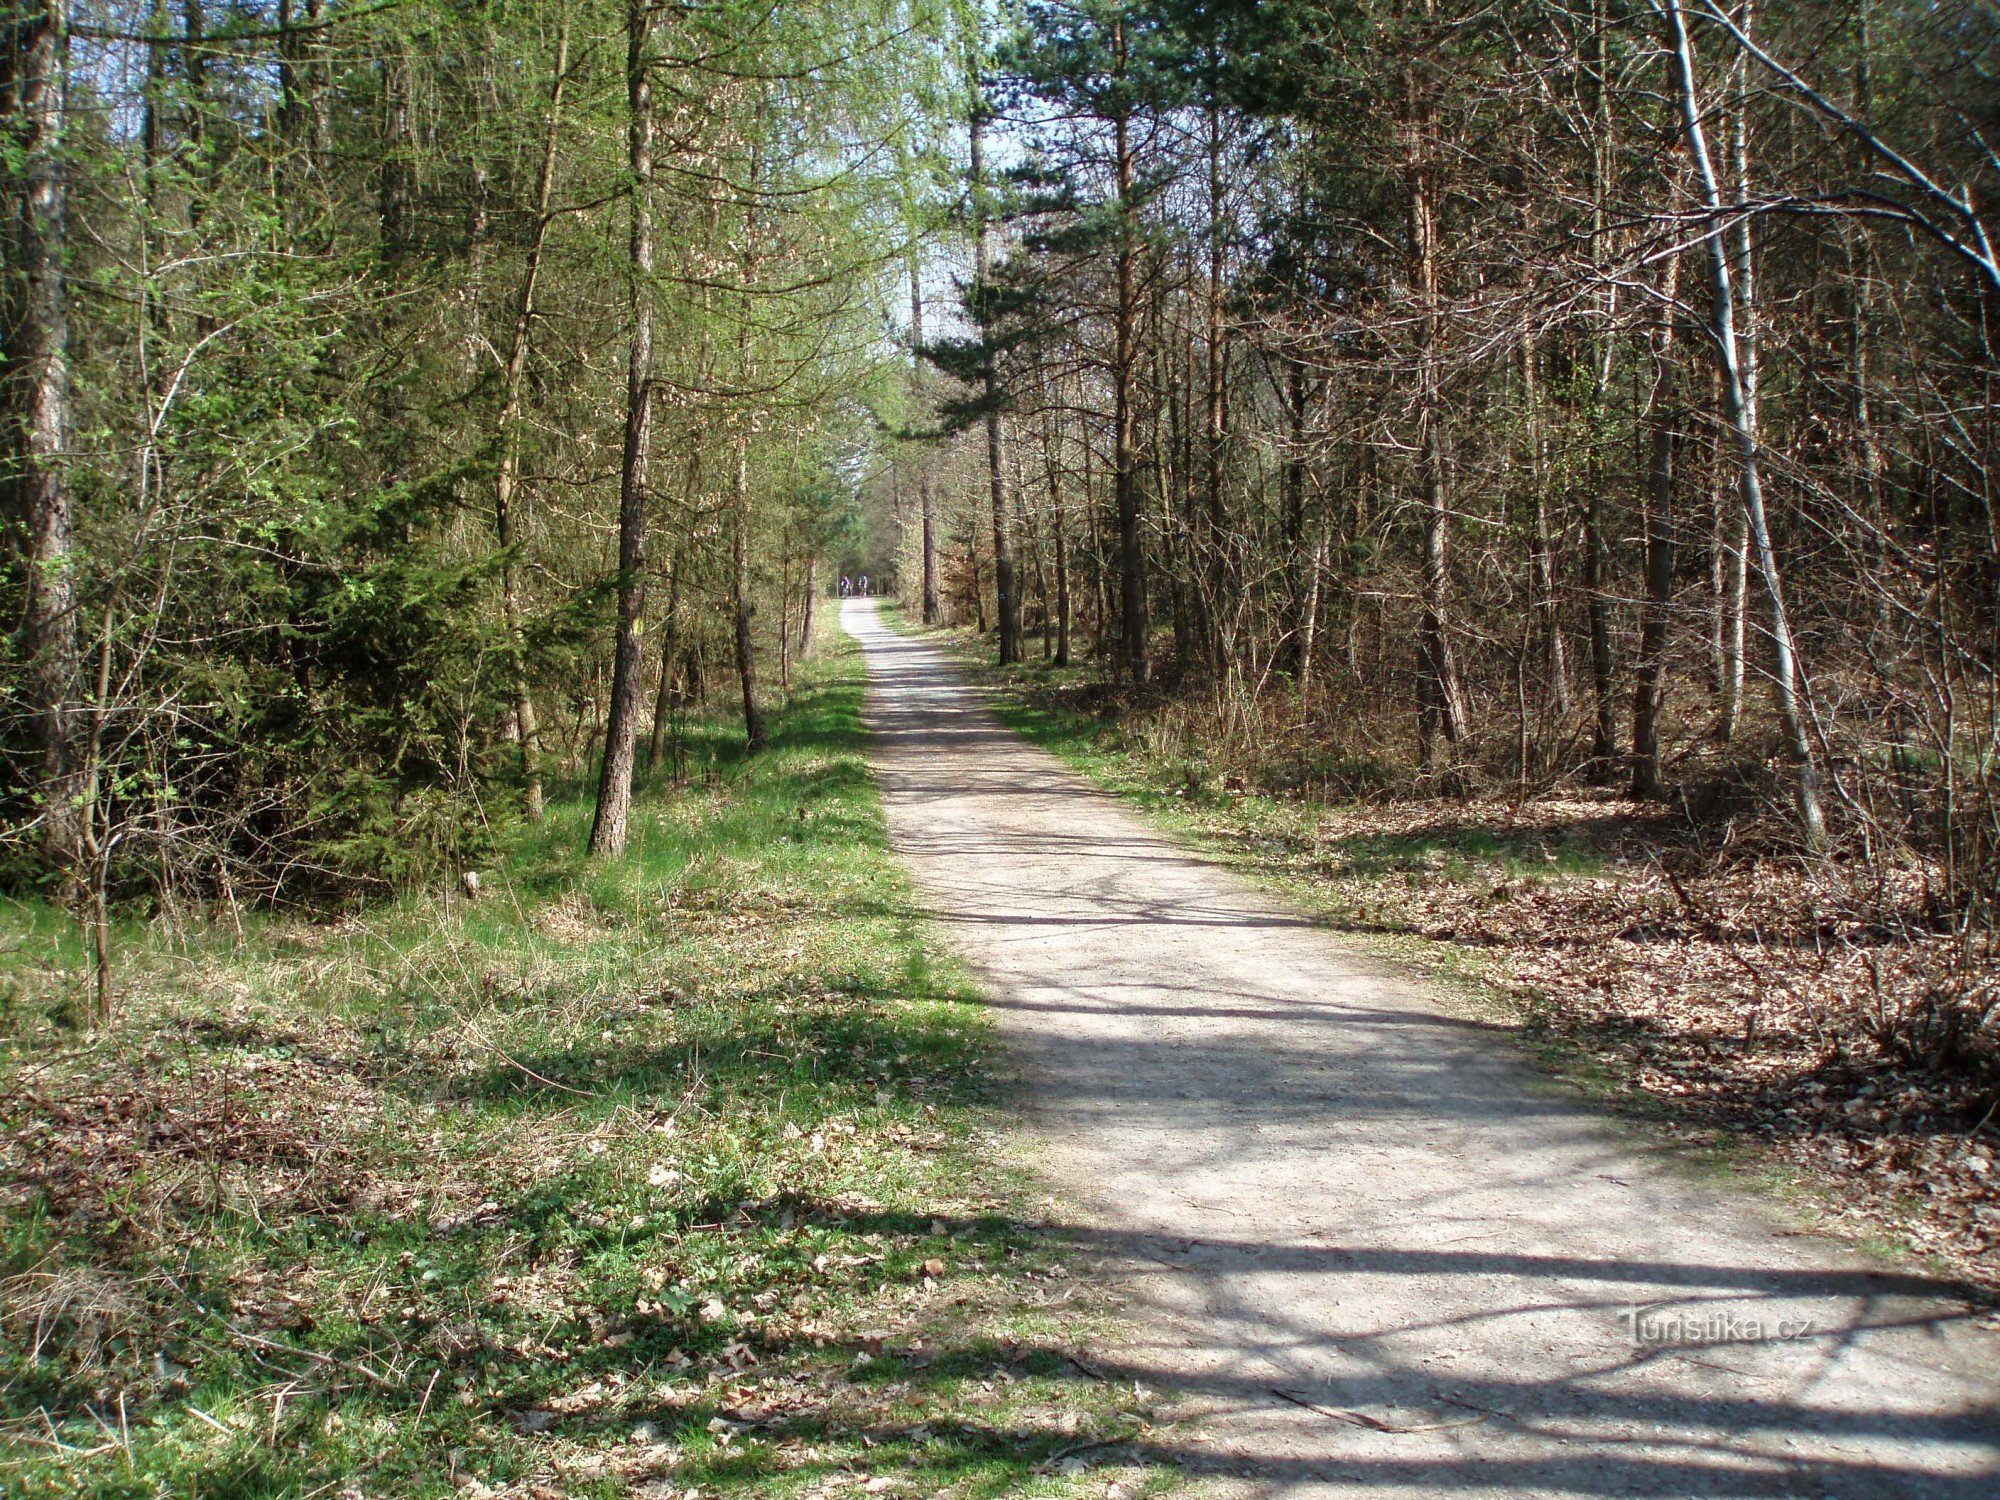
[(1441, 707), (519, 347), (34, 80), (1598, 561), (1662, 425), (1133, 624), (1309, 621), (479, 206), (1739, 392), (1730, 579), (1102, 617), (290, 90), (785, 613), (302, 107), (153, 160), (1008, 606), (978, 584), (1300, 579), (1597, 569), (668, 694), (1217, 411), (194, 71), (1044, 595), (743, 608), (926, 500), (1869, 460), (621, 726), (319, 91), (1059, 525), (806, 611), (1171, 463), (1554, 649), (394, 184)]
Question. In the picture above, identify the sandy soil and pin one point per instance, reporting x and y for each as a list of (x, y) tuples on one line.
[(1367, 1249)]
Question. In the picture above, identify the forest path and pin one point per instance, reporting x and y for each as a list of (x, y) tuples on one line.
[(1369, 1250)]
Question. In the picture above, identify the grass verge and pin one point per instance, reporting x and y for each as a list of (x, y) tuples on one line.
[(669, 1176)]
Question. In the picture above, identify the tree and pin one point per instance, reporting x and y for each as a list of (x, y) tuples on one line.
[(1008, 607), (34, 80), (621, 729), (1739, 390)]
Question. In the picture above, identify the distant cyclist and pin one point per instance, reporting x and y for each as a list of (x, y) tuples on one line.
[(864, 585), (846, 586)]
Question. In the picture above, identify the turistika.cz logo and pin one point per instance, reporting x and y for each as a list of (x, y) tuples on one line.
[(1659, 1328)]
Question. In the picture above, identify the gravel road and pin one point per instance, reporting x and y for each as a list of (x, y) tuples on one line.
[(1365, 1247)]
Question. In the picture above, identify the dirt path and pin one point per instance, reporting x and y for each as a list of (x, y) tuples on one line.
[(1377, 1252)]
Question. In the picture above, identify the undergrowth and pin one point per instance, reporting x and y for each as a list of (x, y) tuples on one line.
[(668, 1176)]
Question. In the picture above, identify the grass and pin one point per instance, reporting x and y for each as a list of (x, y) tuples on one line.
[(672, 1175)]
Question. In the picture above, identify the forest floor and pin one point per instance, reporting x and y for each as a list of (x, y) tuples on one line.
[(1754, 1007), (665, 1177), (1363, 1242)]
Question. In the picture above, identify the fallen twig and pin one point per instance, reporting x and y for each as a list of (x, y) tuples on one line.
[(1362, 1419)]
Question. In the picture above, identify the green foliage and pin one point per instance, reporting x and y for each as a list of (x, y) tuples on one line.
[(300, 264), (667, 1169)]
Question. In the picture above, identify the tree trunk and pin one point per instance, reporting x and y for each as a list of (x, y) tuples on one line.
[(291, 100), (1170, 458), (1597, 570), (1008, 606), (665, 699), (621, 728), (1599, 564), (194, 73), (319, 90), (1044, 593), (978, 584), (1662, 426), (1309, 626), (526, 723), (1059, 525), (1869, 461), (1132, 612), (926, 500), (785, 615), (1739, 395), (36, 379), (806, 612), (1541, 561), (1299, 579), (393, 200), (1220, 537), (1441, 707), (1729, 580), (742, 608)]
